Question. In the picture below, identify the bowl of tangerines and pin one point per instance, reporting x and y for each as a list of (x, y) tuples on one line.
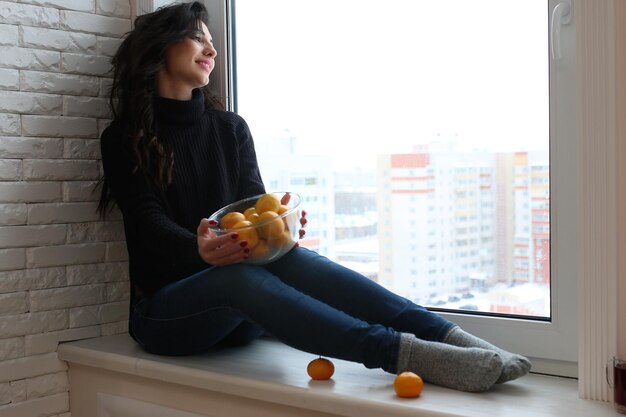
[(270, 223)]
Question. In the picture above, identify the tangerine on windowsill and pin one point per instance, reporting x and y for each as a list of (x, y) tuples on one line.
[(320, 369), (408, 385)]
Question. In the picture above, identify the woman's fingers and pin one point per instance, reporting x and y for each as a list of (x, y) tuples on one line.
[(221, 250), (216, 249), (303, 222), (230, 253), (203, 227)]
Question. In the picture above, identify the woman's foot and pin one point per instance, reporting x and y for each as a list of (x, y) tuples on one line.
[(514, 365), (464, 369)]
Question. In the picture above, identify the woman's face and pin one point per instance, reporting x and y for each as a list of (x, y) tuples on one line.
[(188, 64)]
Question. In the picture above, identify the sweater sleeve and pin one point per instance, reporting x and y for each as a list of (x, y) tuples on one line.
[(142, 205), (250, 182)]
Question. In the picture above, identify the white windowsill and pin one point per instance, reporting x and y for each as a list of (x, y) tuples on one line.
[(271, 372)]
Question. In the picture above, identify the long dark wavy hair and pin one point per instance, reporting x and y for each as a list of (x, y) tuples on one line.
[(136, 66)]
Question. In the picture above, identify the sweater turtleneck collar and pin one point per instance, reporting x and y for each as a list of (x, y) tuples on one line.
[(180, 111)]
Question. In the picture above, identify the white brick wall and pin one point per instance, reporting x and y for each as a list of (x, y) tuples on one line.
[(63, 270)]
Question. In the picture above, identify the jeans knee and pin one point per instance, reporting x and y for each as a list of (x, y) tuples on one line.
[(243, 277), (245, 333)]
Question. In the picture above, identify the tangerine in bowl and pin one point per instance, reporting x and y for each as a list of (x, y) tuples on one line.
[(270, 227)]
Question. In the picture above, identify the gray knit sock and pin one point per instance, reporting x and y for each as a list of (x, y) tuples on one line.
[(514, 365), (465, 369)]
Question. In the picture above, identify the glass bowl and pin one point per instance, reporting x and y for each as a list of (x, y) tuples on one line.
[(270, 233)]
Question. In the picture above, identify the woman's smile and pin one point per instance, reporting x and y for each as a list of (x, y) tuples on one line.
[(206, 64)]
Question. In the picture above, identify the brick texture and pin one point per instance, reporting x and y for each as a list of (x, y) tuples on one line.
[(8, 35), (24, 14), (9, 79), (24, 147), (63, 270)]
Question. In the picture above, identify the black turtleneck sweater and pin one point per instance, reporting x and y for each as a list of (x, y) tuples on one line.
[(214, 165)]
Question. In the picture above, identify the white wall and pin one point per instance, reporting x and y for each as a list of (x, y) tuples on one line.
[(63, 273)]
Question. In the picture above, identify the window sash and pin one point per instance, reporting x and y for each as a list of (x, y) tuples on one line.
[(552, 345)]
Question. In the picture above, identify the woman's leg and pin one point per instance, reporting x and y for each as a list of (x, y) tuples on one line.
[(359, 296), (198, 312), (211, 307)]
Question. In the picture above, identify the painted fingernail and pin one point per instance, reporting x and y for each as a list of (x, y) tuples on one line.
[(212, 222), (234, 236), (243, 243), (246, 250)]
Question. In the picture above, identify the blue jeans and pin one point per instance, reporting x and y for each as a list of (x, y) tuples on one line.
[(303, 299)]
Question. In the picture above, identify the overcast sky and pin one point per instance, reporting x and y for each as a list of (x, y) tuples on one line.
[(363, 77)]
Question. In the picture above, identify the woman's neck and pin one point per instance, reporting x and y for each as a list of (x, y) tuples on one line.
[(174, 110), (174, 91), (175, 94)]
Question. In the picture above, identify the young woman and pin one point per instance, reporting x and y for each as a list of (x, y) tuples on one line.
[(171, 157)]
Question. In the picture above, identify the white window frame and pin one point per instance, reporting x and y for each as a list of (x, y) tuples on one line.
[(551, 345), (578, 225)]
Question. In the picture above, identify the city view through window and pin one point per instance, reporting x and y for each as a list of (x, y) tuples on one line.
[(417, 133)]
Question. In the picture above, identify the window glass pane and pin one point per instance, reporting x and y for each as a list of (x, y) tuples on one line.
[(417, 132)]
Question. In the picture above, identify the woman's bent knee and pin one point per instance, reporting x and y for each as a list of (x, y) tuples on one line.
[(239, 277)]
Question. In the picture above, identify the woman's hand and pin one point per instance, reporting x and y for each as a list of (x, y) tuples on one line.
[(303, 220), (220, 250)]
